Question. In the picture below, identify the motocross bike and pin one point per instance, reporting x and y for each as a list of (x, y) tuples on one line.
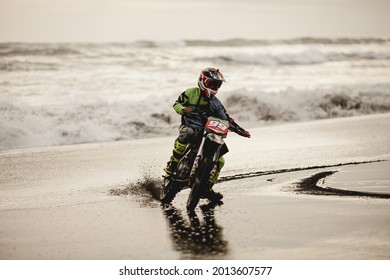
[(198, 164)]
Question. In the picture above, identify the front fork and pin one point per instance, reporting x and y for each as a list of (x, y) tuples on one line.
[(197, 158), (215, 164)]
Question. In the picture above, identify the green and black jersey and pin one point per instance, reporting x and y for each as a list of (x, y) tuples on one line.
[(193, 98)]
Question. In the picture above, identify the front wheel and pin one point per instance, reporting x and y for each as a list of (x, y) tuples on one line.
[(199, 184), (194, 197)]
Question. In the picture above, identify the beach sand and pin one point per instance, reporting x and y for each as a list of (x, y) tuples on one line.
[(88, 202), (372, 178)]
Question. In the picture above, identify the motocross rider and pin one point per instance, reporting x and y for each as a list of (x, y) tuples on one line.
[(201, 98)]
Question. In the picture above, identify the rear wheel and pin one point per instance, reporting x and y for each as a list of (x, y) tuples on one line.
[(169, 191)]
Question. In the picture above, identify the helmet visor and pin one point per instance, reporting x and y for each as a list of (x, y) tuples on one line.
[(213, 84)]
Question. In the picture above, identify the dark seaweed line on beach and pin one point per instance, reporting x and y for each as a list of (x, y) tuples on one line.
[(148, 187), (309, 186), (270, 172)]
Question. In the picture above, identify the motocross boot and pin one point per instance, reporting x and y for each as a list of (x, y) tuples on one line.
[(171, 165), (212, 195), (177, 154)]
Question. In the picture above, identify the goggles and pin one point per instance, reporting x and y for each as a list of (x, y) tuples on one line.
[(213, 84)]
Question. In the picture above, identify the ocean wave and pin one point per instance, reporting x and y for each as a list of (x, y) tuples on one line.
[(304, 57), (304, 105), (81, 49), (38, 49), (32, 56), (238, 42), (8, 66), (84, 82), (23, 125), (64, 49), (103, 57)]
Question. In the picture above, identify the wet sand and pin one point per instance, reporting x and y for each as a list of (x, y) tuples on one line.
[(71, 202), (372, 178)]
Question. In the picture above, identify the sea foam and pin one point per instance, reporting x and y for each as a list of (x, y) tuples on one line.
[(62, 94)]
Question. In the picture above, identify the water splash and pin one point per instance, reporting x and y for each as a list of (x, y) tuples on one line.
[(147, 187)]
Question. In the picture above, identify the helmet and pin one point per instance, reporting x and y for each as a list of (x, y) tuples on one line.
[(210, 80)]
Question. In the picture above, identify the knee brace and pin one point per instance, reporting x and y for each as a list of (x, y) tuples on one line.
[(186, 134), (178, 149)]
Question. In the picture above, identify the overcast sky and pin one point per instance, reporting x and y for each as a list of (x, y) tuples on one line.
[(129, 20)]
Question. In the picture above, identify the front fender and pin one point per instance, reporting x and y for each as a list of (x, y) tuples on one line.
[(215, 138)]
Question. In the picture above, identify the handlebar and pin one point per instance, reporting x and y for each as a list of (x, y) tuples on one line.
[(233, 125), (197, 111)]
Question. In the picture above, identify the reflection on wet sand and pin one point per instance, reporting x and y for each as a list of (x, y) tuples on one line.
[(196, 237)]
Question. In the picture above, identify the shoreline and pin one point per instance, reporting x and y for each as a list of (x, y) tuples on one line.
[(152, 138)]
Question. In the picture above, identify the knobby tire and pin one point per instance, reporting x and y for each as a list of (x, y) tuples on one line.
[(169, 192), (198, 184)]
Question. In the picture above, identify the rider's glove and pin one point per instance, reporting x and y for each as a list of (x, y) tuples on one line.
[(246, 133), (187, 110)]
